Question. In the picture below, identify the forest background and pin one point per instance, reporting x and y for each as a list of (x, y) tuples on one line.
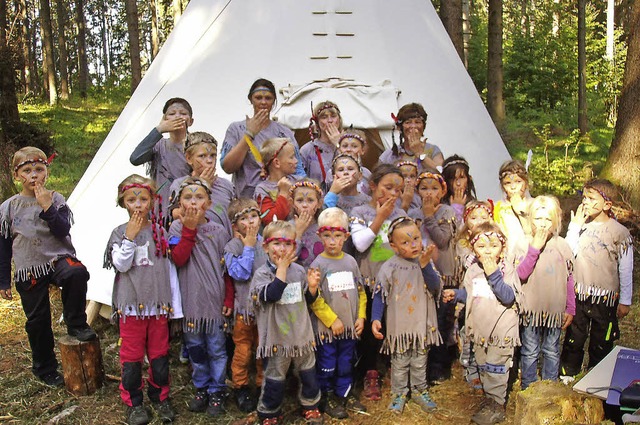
[(561, 78)]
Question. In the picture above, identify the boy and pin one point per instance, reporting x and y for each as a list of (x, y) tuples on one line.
[(284, 326), (242, 259), (603, 277), (166, 156), (340, 313)]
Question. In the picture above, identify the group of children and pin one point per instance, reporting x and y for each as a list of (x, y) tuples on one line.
[(346, 265)]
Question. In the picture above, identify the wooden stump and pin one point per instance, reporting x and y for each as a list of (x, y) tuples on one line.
[(92, 310), (81, 365)]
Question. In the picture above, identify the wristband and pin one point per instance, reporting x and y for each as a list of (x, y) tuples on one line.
[(125, 238)]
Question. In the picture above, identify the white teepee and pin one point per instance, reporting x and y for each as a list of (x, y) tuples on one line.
[(382, 54)]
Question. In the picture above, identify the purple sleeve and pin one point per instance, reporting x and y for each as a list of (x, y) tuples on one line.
[(377, 308), (58, 220), (526, 266), (571, 296), (273, 291), (6, 252), (459, 210), (241, 266), (503, 292)]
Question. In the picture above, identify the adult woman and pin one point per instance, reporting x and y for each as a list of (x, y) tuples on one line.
[(237, 157), (411, 121)]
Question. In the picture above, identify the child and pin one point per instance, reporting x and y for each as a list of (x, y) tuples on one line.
[(325, 127), (547, 288), (603, 275), (35, 226), (511, 213), (197, 249), (489, 290), (306, 199), (438, 224), (339, 315), (369, 226), (410, 198), (165, 157), (243, 257), (344, 194), (460, 186), (354, 142), (141, 299), (405, 283), (279, 156), (284, 325), (201, 151)]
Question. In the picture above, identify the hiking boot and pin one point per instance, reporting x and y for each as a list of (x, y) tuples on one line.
[(312, 416), (332, 406), (165, 411), (397, 403), (423, 400), (351, 402), (216, 404), (276, 420), (52, 379), (246, 402), (199, 401), (490, 413), (137, 415), (372, 385), (82, 333)]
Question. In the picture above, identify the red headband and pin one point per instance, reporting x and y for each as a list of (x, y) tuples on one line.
[(471, 208), (275, 155), (331, 229), (286, 240), (140, 185)]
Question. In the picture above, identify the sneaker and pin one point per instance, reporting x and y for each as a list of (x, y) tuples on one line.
[(490, 413), (165, 411), (52, 379), (372, 385), (246, 402), (216, 404), (423, 400), (276, 420), (332, 406), (567, 380), (199, 401), (137, 415), (351, 402), (82, 333), (184, 355), (312, 416), (397, 403)]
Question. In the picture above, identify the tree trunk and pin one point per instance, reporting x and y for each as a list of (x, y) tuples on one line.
[(105, 43), (155, 39), (83, 67), (81, 364), (623, 163), (176, 7), (33, 62), (61, 11), (582, 67), (47, 43), (466, 29), (451, 17), (495, 100), (134, 42)]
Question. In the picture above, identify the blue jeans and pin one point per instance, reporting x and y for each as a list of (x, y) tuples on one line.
[(535, 339), (208, 355), (334, 365)]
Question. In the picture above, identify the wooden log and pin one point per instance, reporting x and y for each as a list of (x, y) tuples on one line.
[(92, 310), (81, 365)]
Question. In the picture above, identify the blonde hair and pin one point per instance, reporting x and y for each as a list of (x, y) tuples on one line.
[(238, 205), (197, 138), (276, 226), (25, 154), (271, 148), (327, 105), (333, 215), (360, 136), (135, 179), (552, 206), (514, 166), (463, 233)]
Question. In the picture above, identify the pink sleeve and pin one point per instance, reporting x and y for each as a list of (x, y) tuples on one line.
[(571, 296), (526, 266)]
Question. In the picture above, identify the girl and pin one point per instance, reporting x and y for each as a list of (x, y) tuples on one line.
[(438, 224), (325, 126), (547, 287), (411, 122), (240, 154), (369, 227), (511, 213), (344, 194), (272, 194), (354, 142), (165, 157), (35, 226), (142, 298), (489, 290), (306, 199), (409, 198), (460, 186)]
